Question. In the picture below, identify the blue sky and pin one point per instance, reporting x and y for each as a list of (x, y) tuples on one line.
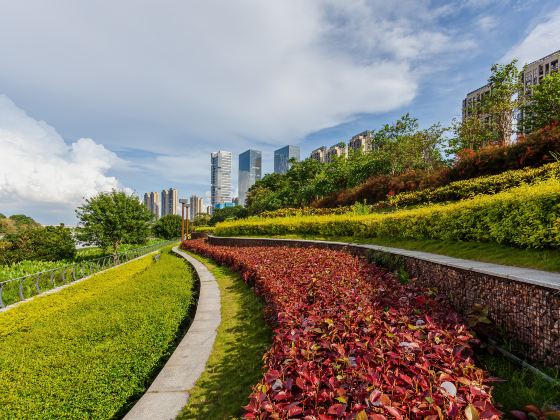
[(136, 94)]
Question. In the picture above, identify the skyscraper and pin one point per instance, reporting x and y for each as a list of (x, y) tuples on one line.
[(220, 177), (151, 201), (250, 170), (196, 207), (169, 201), (282, 158)]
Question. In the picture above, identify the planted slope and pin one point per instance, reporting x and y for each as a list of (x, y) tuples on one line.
[(85, 351), (351, 339)]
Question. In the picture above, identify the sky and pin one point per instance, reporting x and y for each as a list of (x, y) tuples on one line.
[(136, 94)]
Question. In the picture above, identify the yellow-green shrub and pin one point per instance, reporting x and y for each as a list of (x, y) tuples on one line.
[(525, 216), (469, 188), (87, 350)]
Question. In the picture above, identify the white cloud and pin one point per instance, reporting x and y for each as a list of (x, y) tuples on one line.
[(38, 167), (224, 71), (541, 40), (487, 23)]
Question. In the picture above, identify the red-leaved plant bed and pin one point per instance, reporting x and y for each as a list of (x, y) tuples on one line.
[(351, 342)]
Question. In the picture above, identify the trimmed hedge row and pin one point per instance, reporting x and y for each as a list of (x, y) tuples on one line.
[(483, 185), (525, 217), (88, 350)]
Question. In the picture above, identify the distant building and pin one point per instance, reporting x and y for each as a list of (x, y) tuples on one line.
[(362, 141), (220, 177), (474, 99), (209, 210), (250, 171), (338, 150), (320, 154), (169, 202), (224, 205), (282, 158), (533, 74), (196, 206), (151, 201)]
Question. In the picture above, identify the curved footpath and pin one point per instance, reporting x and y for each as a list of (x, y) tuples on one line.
[(168, 394)]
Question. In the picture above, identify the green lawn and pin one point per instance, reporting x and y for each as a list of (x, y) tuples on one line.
[(236, 359), (90, 350), (548, 260)]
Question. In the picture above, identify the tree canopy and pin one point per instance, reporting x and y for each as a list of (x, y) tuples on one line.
[(168, 227), (111, 219)]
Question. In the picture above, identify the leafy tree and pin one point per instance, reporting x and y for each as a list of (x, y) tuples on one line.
[(543, 107), (506, 96), (168, 227), (111, 219), (22, 219), (228, 213), (2, 216), (49, 243), (202, 219), (472, 133)]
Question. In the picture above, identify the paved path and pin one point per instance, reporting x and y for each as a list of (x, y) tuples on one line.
[(168, 394)]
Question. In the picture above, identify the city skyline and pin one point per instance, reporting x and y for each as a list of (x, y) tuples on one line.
[(334, 72)]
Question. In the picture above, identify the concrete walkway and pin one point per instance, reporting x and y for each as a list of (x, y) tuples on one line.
[(168, 394)]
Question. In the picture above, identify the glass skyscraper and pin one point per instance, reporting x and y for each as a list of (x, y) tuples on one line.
[(250, 171), (282, 158), (220, 177)]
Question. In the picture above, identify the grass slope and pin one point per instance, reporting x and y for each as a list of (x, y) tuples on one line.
[(236, 359), (87, 351)]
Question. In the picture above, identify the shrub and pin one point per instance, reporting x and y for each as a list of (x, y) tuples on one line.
[(91, 348), (492, 184), (531, 151), (525, 217), (50, 243), (351, 341), (168, 227)]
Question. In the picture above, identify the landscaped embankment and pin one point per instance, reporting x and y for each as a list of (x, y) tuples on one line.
[(90, 349)]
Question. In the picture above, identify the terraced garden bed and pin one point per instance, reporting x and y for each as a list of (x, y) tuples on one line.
[(351, 341)]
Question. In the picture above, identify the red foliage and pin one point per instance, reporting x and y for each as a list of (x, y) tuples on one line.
[(351, 340), (532, 150)]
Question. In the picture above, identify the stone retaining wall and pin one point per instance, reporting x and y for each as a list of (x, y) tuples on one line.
[(528, 312)]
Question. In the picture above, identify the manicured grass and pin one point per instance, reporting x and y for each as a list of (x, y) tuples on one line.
[(236, 359), (88, 351), (548, 259)]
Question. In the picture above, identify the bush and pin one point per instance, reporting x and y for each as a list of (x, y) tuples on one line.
[(532, 151), (228, 213), (93, 347), (49, 243), (492, 184), (168, 227), (351, 341), (525, 217)]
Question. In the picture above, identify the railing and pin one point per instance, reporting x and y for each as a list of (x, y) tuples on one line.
[(21, 288)]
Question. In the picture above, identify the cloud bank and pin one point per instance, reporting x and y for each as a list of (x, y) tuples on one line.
[(39, 167)]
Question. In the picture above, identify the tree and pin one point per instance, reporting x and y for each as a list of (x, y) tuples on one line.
[(543, 107), (506, 96), (201, 219), (168, 227), (471, 133), (228, 213), (49, 243), (111, 219)]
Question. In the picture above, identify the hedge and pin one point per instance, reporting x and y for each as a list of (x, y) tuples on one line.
[(525, 217), (492, 184), (89, 350)]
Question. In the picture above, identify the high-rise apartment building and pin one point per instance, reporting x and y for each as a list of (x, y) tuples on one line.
[(220, 177), (338, 150), (209, 210), (474, 99), (362, 141), (282, 158), (320, 154), (196, 207), (250, 171), (151, 201), (169, 201)]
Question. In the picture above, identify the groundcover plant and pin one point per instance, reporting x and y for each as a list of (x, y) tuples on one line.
[(351, 341)]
